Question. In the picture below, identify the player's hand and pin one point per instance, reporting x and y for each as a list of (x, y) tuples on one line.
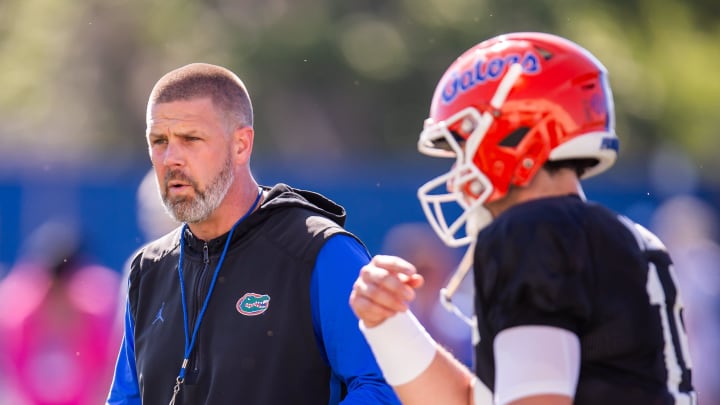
[(384, 287)]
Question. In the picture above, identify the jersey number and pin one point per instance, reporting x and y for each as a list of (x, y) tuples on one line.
[(661, 287), (662, 291)]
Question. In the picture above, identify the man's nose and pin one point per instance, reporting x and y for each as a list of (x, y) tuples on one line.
[(172, 155)]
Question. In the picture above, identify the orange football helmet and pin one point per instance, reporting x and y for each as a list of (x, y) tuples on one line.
[(503, 109)]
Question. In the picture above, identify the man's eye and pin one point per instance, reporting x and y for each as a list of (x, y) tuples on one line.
[(159, 141)]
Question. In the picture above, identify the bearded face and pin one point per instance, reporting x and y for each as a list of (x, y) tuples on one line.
[(198, 205)]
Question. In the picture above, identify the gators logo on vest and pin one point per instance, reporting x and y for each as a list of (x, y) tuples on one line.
[(252, 304)]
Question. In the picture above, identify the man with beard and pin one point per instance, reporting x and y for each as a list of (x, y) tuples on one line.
[(246, 302)]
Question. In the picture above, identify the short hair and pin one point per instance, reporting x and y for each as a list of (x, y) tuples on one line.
[(198, 80), (579, 166)]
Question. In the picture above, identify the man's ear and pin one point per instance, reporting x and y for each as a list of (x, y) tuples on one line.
[(243, 143)]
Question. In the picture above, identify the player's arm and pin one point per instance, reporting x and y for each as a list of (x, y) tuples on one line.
[(445, 381), (535, 365), (420, 371)]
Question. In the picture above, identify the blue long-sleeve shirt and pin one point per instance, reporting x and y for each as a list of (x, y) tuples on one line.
[(341, 343)]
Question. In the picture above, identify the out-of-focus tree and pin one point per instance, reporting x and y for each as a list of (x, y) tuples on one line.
[(335, 79)]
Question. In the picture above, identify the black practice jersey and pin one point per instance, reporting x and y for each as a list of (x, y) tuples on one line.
[(567, 263)]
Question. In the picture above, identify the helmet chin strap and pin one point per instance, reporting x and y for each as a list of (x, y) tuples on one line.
[(446, 293), (478, 219), (480, 215)]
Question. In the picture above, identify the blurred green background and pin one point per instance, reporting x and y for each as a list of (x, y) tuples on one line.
[(336, 79), (340, 90)]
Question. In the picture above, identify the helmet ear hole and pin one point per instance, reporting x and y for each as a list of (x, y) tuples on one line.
[(514, 138)]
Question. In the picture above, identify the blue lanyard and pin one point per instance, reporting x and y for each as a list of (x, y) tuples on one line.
[(190, 341)]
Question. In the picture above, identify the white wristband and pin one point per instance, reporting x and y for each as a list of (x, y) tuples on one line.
[(402, 347)]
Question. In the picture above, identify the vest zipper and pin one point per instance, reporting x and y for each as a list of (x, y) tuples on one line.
[(197, 301)]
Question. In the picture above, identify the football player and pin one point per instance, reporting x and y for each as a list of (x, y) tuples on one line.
[(574, 303)]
